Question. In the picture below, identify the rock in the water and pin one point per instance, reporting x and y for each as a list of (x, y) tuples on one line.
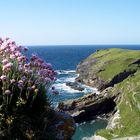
[(75, 85)]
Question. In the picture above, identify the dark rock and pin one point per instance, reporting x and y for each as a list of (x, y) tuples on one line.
[(75, 85), (89, 106)]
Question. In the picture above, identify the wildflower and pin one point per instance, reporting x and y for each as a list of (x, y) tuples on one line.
[(25, 49), (3, 78), (7, 66), (24, 78), (36, 82), (26, 66), (12, 56), (12, 81), (28, 71), (17, 54), (13, 42), (3, 46), (49, 65), (33, 57), (21, 58), (7, 92), (29, 88), (20, 67), (13, 48), (5, 61), (20, 83), (30, 82), (33, 87), (36, 90)]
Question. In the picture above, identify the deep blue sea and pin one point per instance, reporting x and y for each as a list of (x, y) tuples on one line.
[(65, 59)]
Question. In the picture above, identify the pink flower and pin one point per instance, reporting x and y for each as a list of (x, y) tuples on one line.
[(17, 54), (24, 78), (7, 66), (48, 80), (29, 88), (12, 56), (36, 90), (33, 57), (13, 48), (25, 49), (3, 46), (7, 92), (26, 66), (3, 78), (20, 83), (33, 87), (12, 81), (5, 61), (21, 58)]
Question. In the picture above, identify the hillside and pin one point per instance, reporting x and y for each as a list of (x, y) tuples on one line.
[(118, 68)]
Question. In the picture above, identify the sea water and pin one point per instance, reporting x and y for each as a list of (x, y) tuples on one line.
[(64, 60)]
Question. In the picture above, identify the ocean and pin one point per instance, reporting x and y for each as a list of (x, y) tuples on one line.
[(64, 60)]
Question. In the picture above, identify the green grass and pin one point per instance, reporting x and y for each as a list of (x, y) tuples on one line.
[(112, 62), (129, 112)]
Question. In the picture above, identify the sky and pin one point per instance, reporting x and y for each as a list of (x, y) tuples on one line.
[(68, 22)]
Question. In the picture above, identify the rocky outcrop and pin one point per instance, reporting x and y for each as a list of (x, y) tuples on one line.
[(75, 86), (89, 106), (92, 79), (86, 76)]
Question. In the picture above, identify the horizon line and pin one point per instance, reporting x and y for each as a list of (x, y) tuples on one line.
[(83, 45)]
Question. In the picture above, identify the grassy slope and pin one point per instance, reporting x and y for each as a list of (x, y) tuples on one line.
[(114, 61), (129, 108)]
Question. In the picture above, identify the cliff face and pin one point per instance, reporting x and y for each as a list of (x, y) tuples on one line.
[(116, 73), (118, 68), (108, 67)]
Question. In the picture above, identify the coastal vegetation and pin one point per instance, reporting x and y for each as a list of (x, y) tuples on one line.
[(25, 111)]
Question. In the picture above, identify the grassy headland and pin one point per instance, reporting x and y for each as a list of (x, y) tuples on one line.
[(119, 69)]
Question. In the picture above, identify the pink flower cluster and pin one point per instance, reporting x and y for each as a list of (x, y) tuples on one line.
[(17, 69)]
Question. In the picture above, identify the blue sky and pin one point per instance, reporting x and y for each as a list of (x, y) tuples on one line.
[(52, 22)]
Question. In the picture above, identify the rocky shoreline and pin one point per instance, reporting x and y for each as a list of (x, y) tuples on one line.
[(110, 72), (90, 106)]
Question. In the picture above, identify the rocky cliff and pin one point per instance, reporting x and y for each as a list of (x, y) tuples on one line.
[(116, 73)]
